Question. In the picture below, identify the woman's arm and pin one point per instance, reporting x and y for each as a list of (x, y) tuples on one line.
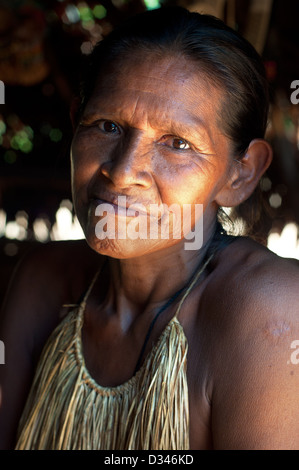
[(256, 397)]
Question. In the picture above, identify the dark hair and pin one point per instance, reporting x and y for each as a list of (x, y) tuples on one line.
[(227, 59)]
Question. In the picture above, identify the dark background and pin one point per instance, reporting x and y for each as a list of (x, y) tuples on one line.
[(41, 47)]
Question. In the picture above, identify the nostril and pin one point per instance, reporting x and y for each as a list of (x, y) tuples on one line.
[(106, 169), (145, 179)]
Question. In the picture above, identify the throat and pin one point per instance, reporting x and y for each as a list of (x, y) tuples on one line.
[(123, 349), (113, 356)]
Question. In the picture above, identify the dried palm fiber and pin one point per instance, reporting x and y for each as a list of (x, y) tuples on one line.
[(66, 409)]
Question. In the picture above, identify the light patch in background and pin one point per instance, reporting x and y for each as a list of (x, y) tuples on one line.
[(41, 229), (66, 226), (15, 229), (275, 200), (285, 244), (2, 222)]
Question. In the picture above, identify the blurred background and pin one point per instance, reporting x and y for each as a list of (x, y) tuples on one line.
[(42, 46)]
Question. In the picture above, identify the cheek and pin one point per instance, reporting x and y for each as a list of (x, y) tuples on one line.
[(185, 184), (85, 162)]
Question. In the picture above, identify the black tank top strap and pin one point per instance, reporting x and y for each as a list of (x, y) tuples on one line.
[(221, 239)]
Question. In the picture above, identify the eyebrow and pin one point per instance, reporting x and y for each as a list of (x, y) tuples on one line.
[(197, 127)]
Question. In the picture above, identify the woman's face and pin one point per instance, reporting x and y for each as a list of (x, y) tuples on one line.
[(148, 139)]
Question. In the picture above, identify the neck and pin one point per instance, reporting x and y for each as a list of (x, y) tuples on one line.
[(143, 283)]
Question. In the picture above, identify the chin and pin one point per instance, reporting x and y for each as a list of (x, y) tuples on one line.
[(115, 237), (125, 249)]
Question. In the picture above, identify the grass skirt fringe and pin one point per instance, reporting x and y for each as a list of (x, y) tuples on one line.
[(67, 409)]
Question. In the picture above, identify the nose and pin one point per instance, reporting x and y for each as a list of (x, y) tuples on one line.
[(129, 164)]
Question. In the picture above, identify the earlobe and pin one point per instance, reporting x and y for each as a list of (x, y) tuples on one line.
[(246, 174)]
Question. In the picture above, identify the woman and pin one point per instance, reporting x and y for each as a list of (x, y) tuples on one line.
[(172, 347)]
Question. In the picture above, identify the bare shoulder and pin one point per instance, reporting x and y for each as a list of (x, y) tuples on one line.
[(256, 381), (252, 302), (46, 278), (259, 294), (252, 277)]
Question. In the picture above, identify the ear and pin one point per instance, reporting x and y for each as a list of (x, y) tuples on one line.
[(74, 109), (246, 174)]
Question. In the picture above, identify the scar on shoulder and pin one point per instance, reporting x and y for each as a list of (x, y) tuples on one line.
[(276, 330)]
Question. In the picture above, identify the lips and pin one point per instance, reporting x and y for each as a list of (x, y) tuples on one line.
[(121, 206)]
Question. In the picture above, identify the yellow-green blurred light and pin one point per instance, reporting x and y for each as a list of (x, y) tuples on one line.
[(2, 127), (152, 4), (26, 146), (99, 12), (85, 13), (55, 135)]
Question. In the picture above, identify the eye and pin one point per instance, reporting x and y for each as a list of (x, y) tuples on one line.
[(176, 143), (181, 144), (109, 127)]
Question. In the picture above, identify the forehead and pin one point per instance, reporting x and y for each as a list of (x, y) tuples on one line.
[(158, 87), (151, 67)]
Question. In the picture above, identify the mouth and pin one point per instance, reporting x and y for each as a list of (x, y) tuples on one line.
[(120, 206)]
